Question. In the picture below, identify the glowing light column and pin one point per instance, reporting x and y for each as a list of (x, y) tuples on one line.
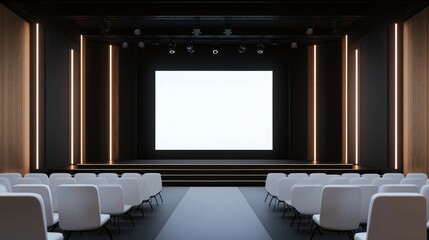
[(71, 107), (315, 101), (347, 98), (396, 96), (81, 99), (110, 105), (37, 96), (357, 106)]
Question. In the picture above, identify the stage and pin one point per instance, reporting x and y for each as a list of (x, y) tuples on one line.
[(216, 172)]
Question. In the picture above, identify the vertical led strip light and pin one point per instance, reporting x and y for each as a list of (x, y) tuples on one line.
[(37, 96), (110, 105), (396, 96), (315, 101), (357, 106), (71, 107), (347, 98), (81, 99)]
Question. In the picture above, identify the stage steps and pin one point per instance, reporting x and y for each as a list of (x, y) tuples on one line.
[(215, 174)]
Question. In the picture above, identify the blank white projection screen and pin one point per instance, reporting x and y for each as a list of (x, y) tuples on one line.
[(213, 110)]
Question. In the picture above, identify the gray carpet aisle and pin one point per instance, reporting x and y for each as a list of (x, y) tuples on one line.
[(213, 213)]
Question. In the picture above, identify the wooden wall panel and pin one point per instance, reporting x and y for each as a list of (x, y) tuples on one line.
[(416, 93), (14, 92)]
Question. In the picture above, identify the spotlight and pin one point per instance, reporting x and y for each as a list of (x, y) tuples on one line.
[(228, 30), (309, 31), (215, 50), (196, 31), (260, 48), (294, 45), (141, 44), (124, 44), (190, 47), (137, 31), (242, 48), (172, 47)]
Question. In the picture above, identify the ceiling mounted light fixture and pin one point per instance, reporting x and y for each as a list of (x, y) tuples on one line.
[(242, 47), (190, 47), (141, 44), (215, 50), (260, 48), (196, 31), (137, 31), (309, 31), (294, 45), (227, 31), (124, 44), (172, 47)]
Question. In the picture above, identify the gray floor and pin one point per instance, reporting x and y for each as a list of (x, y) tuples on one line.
[(150, 226)]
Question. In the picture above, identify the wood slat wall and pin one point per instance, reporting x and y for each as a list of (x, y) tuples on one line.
[(416, 93), (14, 92)]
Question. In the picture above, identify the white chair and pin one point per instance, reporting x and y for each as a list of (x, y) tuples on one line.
[(285, 188), (339, 211), (79, 209), (131, 190), (396, 216), (313, 181), (3, 189), (22, 217), (397, 176), (272, 185), (59, 175), (419, 182), (306, 200), (44, 191), (41, 176), (53, 185), (339, 181), (360, 181), (80, 177), (350, 175), (398, 188), (97, 181), (366, 193), (10, 176), (5, 182), (131, 175), (145, 194), (155, 184), (297, 176), (25, 181), (317, 175), (111, 177), (371, 176), (425, 192), (417, 175), (381, 181), (112, 202)]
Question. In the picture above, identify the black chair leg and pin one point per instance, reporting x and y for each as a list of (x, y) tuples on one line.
[(151, 208), (131, 217), (266, 198), (162, 200), (156, 200), (108, 232), (314, 231), (68, 234), (271, 200)]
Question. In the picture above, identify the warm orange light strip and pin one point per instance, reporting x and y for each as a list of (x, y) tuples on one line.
[(315, 101), (81, 99), (357, 106), (37, 96), (71, 107), (347, 98), (396, 96), (110, 105)]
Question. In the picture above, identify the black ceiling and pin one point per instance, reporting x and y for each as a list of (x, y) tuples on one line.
[(250, 20)]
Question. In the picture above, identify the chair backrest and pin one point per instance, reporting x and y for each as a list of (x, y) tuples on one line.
[(359, 181), (381, 181), (131, 175), (111, 177), (41, 176), (111, 199), (371, 176), (397, 216), (80, 177), (285, 188), (3, 189), (297, 176), (313, 181), (10, 176), (425, 192), (79, 207), (5, 182), (94, 181), (144, 189), (131, 190), (322, 175), (339, 181), (306, 199), (59, 175), (366, 193), (339, 209), (350, 175), (419, 182), (397, 176), (22, 216), (398, 188), (155, 182), (417, 175), (25, 181), (44, 191), (272, 182), (53, 185)]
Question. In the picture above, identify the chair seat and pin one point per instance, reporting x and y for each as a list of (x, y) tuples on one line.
[(55, 236), (427, 225), (56, 219), (316, 218), (288, 202), (361, 236), (104, 218), (126, 208)]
